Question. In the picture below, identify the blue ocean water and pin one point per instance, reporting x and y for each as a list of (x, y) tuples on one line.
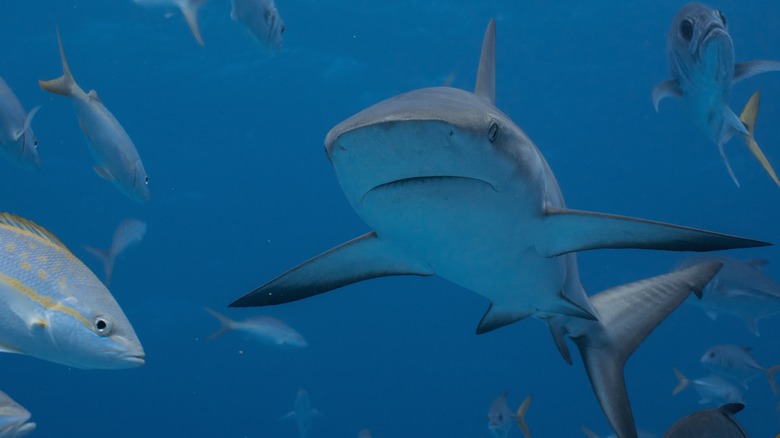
[(241, 191)]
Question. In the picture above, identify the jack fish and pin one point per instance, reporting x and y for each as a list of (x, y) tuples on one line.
[(17, 140), (116, 158), (711, 389), (266, 329), (128, 232), (302, 413), (262, 19), (701, 61), (737, 364), (54, 308), (13, 418)]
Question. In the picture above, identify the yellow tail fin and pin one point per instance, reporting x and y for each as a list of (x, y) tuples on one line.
[(520, 417), (748, 118)]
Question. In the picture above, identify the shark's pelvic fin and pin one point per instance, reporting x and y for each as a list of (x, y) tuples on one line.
[(359, 259), (486, 74), (627, 314), (574, 230), (748, 118), (496, 317), (744, 70), (670, 88)]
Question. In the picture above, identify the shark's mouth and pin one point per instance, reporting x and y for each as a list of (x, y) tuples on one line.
[(421, 181)]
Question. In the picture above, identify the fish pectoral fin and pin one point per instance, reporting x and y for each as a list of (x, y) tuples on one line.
[(359, 259), (748, 119), (565, 231), (93, 96), (495, 318), (744, 70), (103, 173), (627, 315), (669, 88)]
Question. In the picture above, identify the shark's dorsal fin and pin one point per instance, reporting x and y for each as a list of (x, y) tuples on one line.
[(20, 223), (627, 314), (486, 75), (359, 259)]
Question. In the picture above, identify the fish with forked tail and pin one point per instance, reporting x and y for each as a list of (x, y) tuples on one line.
[(115, 155), (127, 233), (266, 329), (703, 69)]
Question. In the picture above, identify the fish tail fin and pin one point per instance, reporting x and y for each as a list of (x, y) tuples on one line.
[(227, 323), (748, 118), (65, 84), (682, 381), (190, 12), (589, 433), (520, 416), (770, 376), (105, 256), (721, 149), (627, 315)]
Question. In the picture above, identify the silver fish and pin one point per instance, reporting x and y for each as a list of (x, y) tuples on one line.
[(709, 423), (52, 307), (188, 8), (452, 187), (500, 417), (115, 155), (740, 289), (302, 413), (711, 389), (13, 418), (265, 329), (127, 233), (17, 139), (262, 19), (701, 61), (737, 364)]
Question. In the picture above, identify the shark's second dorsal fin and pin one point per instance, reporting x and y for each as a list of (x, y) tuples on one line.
[(486, 75), (21, 223)]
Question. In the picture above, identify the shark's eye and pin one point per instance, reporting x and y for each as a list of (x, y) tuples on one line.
[(722, 17), (493, 131), (146, 180), (35, 144), (686, 29)]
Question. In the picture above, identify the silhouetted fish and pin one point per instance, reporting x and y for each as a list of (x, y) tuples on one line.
[(709, 423), (128, 232), (302, 413)]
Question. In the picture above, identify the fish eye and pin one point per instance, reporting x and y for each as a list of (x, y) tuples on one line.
[(146, 180), (282, 31), (493, 131), (35, 144), (686, 29), (103, 326)]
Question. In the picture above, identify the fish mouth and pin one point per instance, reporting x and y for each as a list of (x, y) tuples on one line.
[(135, 359), (710, 30), (422, 180)]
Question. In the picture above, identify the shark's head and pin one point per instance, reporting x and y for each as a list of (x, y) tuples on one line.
[(699, 45)]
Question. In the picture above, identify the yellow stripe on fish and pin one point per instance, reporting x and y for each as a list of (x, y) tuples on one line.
[(44, 301)]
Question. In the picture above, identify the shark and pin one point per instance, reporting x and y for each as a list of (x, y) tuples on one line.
[(453, 187), (703, 69)]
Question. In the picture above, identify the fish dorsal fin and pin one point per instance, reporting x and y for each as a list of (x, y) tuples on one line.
[(732, 408), (23, 224), (93, 96), (486, 75)]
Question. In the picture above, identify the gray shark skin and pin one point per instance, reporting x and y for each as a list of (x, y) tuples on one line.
[(452, 187), (709, 423), (703, 69)]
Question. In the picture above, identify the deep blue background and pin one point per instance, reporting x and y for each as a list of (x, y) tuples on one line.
[(241, 191)]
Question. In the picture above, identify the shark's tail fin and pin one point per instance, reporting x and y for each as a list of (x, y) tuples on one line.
[(227, 323), (65, 84), (520, 416), (105, 256), (748, 118), (770, 376), (682, 381), (627, 314)]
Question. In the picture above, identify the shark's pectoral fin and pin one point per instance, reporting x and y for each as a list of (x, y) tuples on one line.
[(359, 259), (744, 70), (566, 231), (670, 88), (748, 119), (627, 314), (495, 318)]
